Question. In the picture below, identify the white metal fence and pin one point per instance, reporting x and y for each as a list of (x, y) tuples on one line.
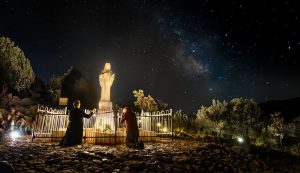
[(51, 121), (159, 122), (48, 120)]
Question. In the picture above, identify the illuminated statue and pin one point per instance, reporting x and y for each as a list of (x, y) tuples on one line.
[(106, 79)]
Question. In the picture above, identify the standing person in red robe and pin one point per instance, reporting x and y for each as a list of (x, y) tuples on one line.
[(132, 130), (74, 132)]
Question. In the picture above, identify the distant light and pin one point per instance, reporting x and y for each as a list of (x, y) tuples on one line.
[(158, 124), (240, 139), (165, 129), (14, 134)]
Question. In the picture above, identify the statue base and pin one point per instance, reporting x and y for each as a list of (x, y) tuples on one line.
[(105, 105)]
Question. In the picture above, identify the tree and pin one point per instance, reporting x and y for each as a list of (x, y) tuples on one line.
[(76, 86), (54, 85), (37, 92), (215, 114), (243, 117), (162, 105), (145, 103), (202, 123), (276, 127), (180, 121), (15, 69)]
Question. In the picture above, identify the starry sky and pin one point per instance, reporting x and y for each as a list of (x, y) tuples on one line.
[(182, 52)]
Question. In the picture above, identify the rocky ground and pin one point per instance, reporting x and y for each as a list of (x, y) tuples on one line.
[(165, 156)]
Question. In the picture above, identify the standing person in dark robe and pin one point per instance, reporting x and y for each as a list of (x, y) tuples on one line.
[(74, 131), (132, 130)]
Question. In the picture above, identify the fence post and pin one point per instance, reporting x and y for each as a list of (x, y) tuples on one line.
[(115, 121), (171, 115), (32, 136)]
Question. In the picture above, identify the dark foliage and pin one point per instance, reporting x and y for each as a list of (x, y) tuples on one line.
[(37, 92), (288, 108), (76, 86)]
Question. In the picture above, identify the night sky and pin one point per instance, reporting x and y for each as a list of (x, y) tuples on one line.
[(183, 52)]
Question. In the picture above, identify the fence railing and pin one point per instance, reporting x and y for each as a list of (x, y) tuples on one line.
[(159, 122), (52, 123), (52, 111)]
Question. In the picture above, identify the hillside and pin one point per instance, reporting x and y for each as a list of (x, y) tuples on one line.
[(289, 108)]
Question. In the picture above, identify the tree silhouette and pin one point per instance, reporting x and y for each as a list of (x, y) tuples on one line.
[(76, 86), (15, 69)]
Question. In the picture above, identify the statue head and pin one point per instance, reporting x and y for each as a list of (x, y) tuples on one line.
[(107, 67)]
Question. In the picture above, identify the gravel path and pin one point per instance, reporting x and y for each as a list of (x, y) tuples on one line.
[(165, 156)]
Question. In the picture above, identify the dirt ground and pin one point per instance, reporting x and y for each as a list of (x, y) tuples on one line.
[(165, 156)]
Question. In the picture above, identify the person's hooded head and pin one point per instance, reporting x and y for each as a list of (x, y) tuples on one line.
[(76, 104)]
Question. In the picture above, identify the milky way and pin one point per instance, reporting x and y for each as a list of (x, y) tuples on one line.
[(183, 52)]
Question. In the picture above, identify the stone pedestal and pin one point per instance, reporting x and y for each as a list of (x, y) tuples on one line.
[(105, 105)]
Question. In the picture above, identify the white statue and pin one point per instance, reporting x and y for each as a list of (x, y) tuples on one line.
[(106, 79)]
